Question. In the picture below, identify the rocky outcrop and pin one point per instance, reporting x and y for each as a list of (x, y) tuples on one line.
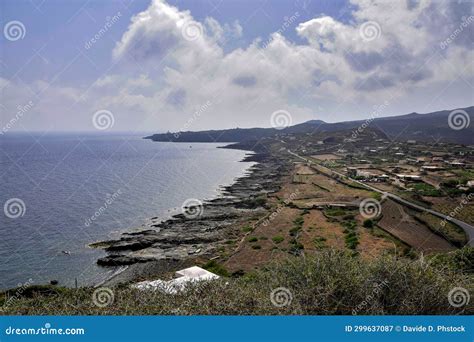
[(182, 237)]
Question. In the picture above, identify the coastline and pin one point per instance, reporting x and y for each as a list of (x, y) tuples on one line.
[(182, 241)]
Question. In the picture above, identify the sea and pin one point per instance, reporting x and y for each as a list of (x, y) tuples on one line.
[(61, 192)]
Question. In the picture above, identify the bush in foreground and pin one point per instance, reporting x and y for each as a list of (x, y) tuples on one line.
[(329, 283)]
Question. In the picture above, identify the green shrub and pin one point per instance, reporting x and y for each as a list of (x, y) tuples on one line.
[(368, 223), (247, 229), (214, 267), (253, 239), (376, 195), (294, 231), (296, 248), (351, 239), (299, 221), (278, 239)]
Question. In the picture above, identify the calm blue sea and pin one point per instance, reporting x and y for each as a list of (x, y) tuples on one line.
[(54, 189)]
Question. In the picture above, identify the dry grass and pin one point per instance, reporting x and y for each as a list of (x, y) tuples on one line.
[(328, 283)]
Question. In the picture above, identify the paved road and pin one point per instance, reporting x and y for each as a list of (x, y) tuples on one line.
[(465, 226)]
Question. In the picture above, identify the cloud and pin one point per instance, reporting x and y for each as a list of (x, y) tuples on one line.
[(172, 64), (386, 48)]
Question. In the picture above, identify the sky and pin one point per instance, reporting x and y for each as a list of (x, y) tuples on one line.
[(124, 65)]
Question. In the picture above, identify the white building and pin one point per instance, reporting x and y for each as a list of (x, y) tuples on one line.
[(183, 278)]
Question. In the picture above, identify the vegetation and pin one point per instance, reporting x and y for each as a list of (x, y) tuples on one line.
[(278, 239), (450, 183), (424, 189), (214, 267), (247, 229), (368, 223), (319, 242), (351, 238), (298, 224), (331, 212), (376, 195), (299, 221), (254, 202), (327, 283), (448, 230), (464, 175), (461, 260), (295, 246)]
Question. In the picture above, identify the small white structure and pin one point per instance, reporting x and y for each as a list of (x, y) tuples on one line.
[(184, 277), (431, 168), (408, 177)]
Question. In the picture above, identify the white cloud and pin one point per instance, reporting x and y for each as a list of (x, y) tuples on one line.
[(335, 73)]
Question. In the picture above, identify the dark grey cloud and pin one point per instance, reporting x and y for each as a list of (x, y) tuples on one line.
[(245, 81), (364, 61), (412, 4)]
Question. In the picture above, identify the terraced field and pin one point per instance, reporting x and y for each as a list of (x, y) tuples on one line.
[(398, 222)]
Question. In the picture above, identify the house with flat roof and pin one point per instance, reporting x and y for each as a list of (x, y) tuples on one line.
[(182, 279)]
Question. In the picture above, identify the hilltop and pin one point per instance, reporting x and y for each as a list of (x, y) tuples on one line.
[(422, 127)]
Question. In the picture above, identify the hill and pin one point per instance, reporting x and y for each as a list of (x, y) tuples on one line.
[(436, 126)]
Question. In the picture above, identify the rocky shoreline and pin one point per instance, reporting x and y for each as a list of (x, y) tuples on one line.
[(183, 238)]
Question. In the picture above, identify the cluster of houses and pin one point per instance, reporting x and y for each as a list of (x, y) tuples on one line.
[(423, 166)]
